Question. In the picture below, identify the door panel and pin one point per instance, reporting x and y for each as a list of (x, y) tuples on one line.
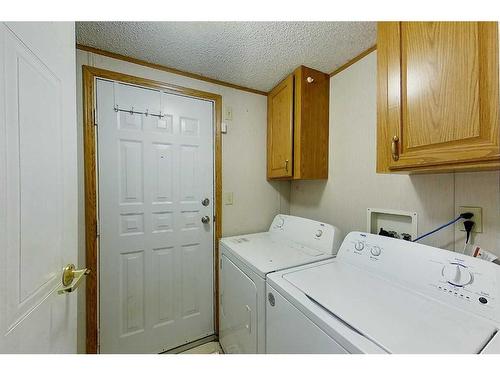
[(440, 82), (153, 174), (438, 95), (280, 130), (132, 288), (163, 289), (38, 229)]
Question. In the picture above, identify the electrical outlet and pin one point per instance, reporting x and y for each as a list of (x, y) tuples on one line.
[(228, 199), (477, 218)]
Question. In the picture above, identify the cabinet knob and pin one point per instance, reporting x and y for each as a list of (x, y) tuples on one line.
[(394, 148)]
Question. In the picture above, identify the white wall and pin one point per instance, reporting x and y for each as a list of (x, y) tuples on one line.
[(256, 200), (353, 185)]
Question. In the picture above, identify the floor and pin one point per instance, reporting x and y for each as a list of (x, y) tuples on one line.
[(212, 347)]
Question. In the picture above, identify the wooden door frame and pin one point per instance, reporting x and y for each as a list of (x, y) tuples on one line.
[(91, 194)]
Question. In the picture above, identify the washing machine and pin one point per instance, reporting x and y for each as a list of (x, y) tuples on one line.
[(246, 261), (384, 295)]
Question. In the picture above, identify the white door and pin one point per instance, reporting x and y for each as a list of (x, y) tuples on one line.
[(156, 255), (38, 186)]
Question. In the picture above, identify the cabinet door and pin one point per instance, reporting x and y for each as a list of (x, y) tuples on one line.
[(438, 94), (280, 130)]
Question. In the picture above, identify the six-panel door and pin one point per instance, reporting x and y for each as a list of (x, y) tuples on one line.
[(156, 255)]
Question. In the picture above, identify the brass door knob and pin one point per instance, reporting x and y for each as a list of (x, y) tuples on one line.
[(71, 278)]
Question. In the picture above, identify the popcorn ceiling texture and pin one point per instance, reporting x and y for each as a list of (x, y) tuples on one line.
[(253, 54)]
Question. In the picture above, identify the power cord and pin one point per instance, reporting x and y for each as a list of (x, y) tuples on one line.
[(465, 215), (468, 225)]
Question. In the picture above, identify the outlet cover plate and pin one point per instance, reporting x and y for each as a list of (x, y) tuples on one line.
[(228, 198), (477, 218)]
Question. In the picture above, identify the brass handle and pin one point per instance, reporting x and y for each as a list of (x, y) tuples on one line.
[(71, 278), (394, 148), (286, 165)]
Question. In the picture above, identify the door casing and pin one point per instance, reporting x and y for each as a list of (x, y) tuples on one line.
[(91, 193)]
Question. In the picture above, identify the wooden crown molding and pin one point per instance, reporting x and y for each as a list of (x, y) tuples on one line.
[(166, 69), (352, 61)]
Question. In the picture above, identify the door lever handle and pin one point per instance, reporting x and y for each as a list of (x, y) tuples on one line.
[(71, 278)]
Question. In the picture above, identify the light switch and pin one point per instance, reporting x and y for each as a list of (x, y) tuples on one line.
[(228, 113), (228, 198)]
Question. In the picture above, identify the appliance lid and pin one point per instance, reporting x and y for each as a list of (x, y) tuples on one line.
[(268, 252), (393, 317)]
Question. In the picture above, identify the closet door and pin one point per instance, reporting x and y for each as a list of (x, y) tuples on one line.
[(38, 187)]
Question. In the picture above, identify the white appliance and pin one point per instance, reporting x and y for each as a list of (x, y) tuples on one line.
[(246, 261), (383, 295)]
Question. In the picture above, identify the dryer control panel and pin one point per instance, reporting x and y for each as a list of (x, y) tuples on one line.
[(310, 233), (468, 283)]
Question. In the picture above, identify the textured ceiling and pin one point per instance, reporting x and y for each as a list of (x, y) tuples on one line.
[(252, 54)]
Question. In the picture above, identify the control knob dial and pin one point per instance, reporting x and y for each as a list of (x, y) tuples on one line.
[(376, 251), (457, 274), (359, 245)]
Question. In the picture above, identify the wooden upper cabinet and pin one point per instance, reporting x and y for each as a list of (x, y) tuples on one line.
[(297, 130), (280, 130), (437, 96)]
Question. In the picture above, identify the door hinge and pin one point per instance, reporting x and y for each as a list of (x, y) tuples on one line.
[(94, 118), (97, 230)]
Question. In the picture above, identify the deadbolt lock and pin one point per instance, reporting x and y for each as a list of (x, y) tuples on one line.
[(205, 202)]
